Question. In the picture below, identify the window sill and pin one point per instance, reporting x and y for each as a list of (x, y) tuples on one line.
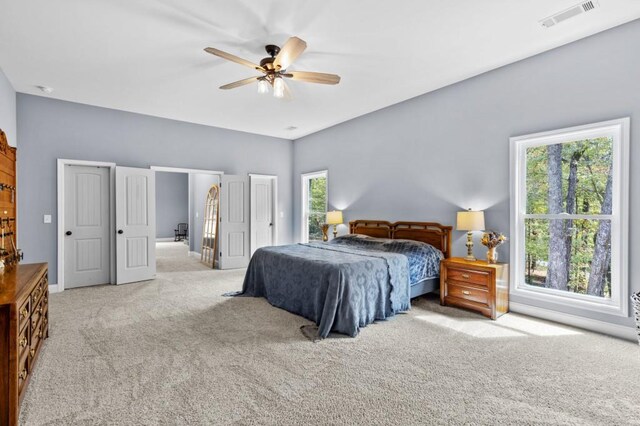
[(620, 309)]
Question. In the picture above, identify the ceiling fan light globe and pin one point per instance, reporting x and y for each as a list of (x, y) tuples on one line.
[(278, 87), (263, 87)]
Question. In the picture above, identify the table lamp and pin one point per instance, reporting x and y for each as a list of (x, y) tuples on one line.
[(334, 218), (470, 221)]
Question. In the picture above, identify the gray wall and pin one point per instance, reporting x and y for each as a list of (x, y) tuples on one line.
[(199, 185), (172, 202), (430, 156), (8, 109), (49, 129)]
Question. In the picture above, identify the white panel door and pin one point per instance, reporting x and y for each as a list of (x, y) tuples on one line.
[(86, 226), (261, 212), (234, 222), (135, 225)]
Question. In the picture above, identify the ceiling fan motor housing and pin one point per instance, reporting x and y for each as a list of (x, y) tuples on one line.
[(267, 63), (272, 50)]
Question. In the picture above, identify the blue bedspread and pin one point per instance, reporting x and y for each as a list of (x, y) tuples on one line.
[(424, 259), (340, 288)]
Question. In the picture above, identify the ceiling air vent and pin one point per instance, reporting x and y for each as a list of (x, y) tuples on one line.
[(576, 10)]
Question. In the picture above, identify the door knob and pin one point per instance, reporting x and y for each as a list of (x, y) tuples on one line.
[(68, 233), (271, 224), (120, 231)]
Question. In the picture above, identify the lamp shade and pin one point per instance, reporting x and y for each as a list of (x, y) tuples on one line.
[(470, 221), (334, 217)]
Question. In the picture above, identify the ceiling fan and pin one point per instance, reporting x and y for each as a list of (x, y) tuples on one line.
[(274, 68)]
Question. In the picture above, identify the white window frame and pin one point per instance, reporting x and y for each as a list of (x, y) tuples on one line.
[(304, 178), (618, 130)]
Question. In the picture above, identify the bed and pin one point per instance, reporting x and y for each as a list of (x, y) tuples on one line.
[(343, 285)]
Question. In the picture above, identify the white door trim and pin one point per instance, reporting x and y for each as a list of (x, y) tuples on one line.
[(61, 175), (274, 206), (182, 170)]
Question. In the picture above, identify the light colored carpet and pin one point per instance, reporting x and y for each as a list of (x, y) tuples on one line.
[(174, 351)]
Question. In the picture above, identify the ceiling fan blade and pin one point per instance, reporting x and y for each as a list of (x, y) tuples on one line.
[(289, 52), (233, 58), (313, 77), (239, 83)]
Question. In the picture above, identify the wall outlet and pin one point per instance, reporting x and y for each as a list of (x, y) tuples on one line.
[(47, 218)]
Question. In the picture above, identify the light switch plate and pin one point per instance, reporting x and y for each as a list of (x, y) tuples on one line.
[(47, 218)]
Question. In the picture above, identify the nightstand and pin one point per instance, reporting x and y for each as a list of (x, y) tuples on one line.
[(475, 285)]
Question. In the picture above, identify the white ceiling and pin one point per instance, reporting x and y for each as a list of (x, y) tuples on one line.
[(147, 56)]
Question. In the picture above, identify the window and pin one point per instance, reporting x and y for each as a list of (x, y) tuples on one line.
[(314, 205), (569, 216)]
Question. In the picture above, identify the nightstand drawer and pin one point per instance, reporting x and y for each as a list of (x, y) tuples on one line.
[(467, 293), (468, 276)]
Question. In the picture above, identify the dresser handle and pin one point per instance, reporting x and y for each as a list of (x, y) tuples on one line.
[(23, 375), (465, 292), (24, 312), (32, 352), (465, 276), (23, 342)]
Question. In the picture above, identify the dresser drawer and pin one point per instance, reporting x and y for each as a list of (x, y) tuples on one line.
[(41, 306), (467, 293), (39, 290), (24, 313), (45, 299), (45, 323), (36, 315), (36, 338), (468, 276), (22, 373), (23, 341)]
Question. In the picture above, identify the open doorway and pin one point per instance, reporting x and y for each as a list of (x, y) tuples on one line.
[(180, 204), (172, 220)]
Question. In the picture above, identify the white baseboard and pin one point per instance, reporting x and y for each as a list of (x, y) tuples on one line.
[(53, 288), (165, 240), (627, 333), (194, 253)]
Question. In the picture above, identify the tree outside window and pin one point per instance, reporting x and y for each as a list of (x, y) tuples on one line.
[(317, 207), (314, 205), (574, 180)]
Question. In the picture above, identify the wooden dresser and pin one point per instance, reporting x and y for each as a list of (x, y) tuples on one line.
[(475, 285), (24, 324)]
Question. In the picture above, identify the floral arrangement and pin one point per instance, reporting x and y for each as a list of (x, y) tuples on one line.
[(493, 239)]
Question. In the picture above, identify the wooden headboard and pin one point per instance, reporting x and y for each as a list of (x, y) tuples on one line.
[(432, 233)]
